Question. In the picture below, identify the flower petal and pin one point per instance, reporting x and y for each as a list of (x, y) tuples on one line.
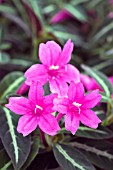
[(22, 89), (44, 54), (76, 91), (19, 105), (36, 92), (49, 124), (36, 73), (86, 80), (59, 87), (71, 122), (48, 102), (60, 16), (55, 51), (27, 124), (49, 99), (65, 56), (71, 74), (111, 79), (89, 118), (89, 83), (92, 99), (60, 105)]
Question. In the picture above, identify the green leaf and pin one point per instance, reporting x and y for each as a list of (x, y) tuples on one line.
[(78, 2), (23, 62), (33, 152), (108, 121), (105, 99), (99, 153), (17, 146), (5, 46), (70, 158), (10, 83), (76, 12), (100, 133), (35, 6), (7, 9), (66, 35), (103, 31), (101, 79), (4, 58), (5, 161)]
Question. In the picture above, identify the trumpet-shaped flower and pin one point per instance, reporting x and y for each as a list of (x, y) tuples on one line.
[(76, 107), (36, 111), (61, 16), (91, 84), (22, 89), (54, 67)]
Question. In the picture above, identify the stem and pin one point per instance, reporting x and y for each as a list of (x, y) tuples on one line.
[(43, 138)]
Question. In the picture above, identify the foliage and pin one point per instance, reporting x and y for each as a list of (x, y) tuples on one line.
[(24, 25)]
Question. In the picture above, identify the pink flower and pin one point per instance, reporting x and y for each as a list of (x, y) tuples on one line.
[(76, 107), (22, 89), (61, 16), (54, 67), (110, 15), (110, 2), (36, 110), (90, 83)]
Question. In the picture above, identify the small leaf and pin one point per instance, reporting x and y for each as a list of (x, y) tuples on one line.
[(17, 146), (10, 83), (33, 152), (31, 8), (105, 99), (4, 58), (100, 133), (99, 153), (103, 31), (5, 161), (7, 9), (108, 121), (70, 158), (5, 46), (76, 12), (101, 79)]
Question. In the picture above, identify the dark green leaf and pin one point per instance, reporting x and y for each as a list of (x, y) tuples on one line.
[(35, 6), (17, 146), (4, 58), (76, 12), (100, 133), (105, 99), (10, 83), (70, 158), (33, 152), (99, 153), (5, 46), (7, 9), (5, 161), (103, 31)]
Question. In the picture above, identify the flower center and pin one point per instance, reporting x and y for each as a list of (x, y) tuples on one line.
[(53, 67), (78, 106), (38, 107)]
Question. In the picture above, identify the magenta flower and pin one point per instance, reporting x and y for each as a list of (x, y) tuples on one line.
[(22, 89), (61, 16), (110, 2), (91, 84), (36, 111), (54, 67), (76, 107), (110, 15)]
